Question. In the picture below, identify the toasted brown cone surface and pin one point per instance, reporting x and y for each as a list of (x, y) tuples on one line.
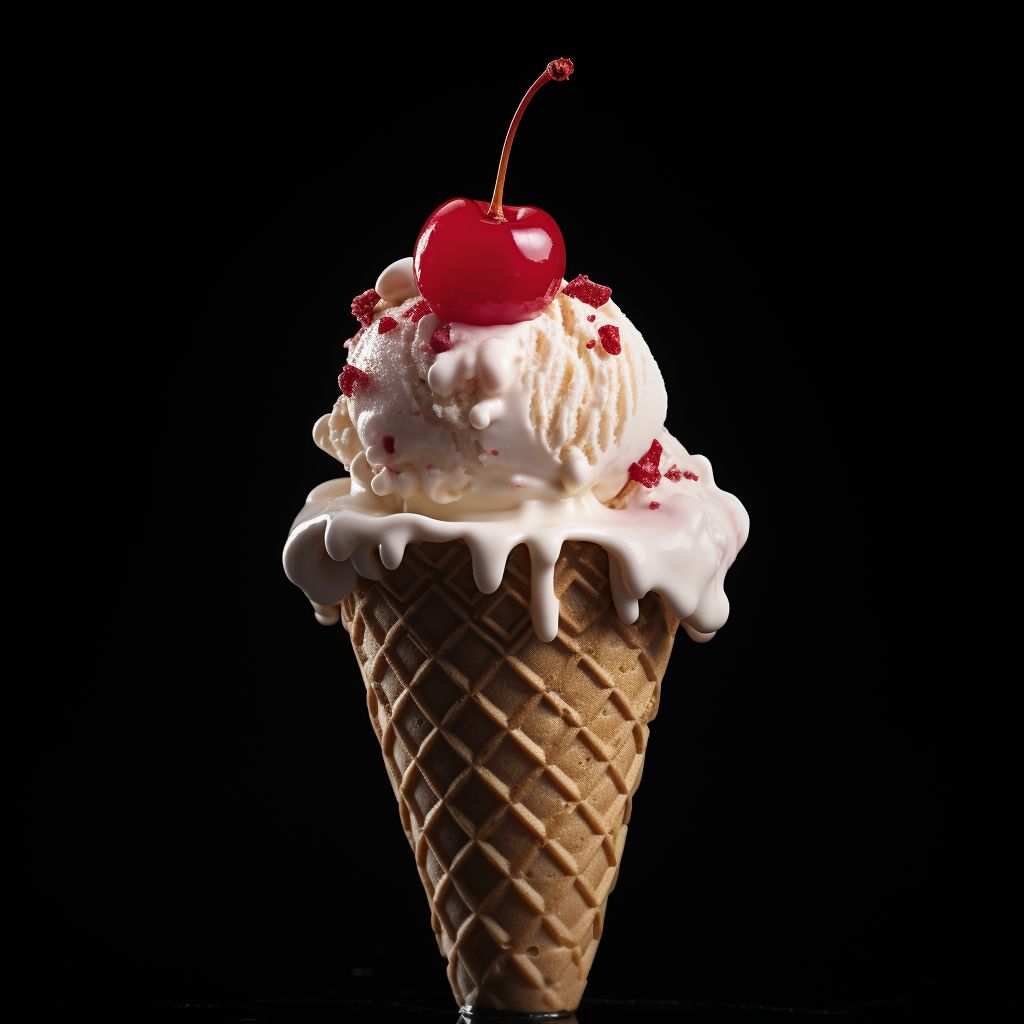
[(514, 761)]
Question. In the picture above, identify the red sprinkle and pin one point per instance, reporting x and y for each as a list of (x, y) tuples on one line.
[(646, 470), (362, 306), (609, 335), (560, 69), (587, 291), (674, 475), (350, 377), (494, 451), (389, 444), (430, 466), (418, 312), (691, 476), (591, 344), (591, 318), (385, 324), (442, 339), (655, 504), (415, 412)]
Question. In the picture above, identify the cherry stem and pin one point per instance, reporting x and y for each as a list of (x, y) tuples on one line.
[(557, 71)]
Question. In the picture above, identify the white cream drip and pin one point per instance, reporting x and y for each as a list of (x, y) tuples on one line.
[(681, 550)]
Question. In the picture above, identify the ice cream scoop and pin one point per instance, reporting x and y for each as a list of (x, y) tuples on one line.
[(500, 415), (535, 433)]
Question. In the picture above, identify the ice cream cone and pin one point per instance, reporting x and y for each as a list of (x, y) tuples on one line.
[(514, 761)]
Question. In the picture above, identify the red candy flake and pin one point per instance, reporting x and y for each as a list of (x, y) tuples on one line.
[(674, 475), (591, 344), (362, 306), (418, 312), (646, 470), (350, 377), (494, 451), (415, 412), (430, 465), (691, 476), (609, 335), (385, 324), (442, 339), (389, 444), (655, 504), (560, 69), (591, 318), (587, 291)]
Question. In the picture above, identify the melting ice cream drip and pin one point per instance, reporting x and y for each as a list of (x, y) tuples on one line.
[(683, 556)]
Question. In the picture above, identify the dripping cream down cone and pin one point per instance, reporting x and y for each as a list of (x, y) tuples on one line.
[(514, 760)]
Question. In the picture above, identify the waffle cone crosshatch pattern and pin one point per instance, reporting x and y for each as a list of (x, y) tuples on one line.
[(514, 761)]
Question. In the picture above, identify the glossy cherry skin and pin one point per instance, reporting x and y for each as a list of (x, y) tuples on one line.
[(474, 269)]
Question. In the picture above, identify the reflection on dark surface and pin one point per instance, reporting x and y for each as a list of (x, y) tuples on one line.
[(398, 1007), (494, 1016)]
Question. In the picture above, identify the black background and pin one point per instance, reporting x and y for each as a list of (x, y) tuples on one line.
[(825, 816)]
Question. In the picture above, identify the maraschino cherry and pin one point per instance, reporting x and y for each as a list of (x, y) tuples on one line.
[(484, 265)]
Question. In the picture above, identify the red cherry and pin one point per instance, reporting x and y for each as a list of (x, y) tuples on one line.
[(474, 269), (484, 265)]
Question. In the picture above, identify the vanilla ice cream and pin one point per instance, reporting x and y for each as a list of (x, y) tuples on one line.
[(539, 409), (536, 433)]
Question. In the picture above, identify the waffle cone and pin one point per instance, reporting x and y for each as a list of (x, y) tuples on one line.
[(514, 761)]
